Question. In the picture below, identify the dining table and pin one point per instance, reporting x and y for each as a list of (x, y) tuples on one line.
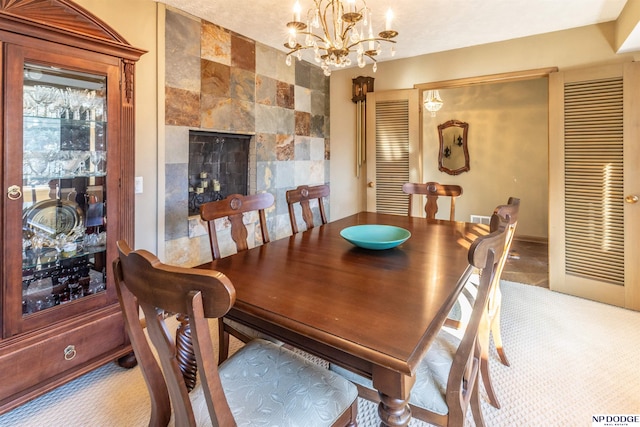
[(373, 312)]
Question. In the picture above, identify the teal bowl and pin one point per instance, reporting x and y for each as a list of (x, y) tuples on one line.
[(375, 236)]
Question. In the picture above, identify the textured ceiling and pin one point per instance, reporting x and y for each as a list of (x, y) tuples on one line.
[(425, 26)]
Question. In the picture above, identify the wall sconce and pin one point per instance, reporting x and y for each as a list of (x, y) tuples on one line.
[(361, 86)]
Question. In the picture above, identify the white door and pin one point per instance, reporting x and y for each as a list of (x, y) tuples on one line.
[(594, 181), (393, 154)]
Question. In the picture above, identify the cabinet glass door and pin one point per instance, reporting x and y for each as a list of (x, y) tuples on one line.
[(64, 186)]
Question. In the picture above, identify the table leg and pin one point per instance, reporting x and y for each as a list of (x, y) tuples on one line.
[(393, 412), (394, 390)]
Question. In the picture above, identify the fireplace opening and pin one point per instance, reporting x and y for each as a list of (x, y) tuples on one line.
[(218, 166)]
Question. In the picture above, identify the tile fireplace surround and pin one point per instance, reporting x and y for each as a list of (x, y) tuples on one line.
[(217, 80)]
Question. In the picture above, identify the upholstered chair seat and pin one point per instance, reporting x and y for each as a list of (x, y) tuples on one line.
[(304, 393), (429, 391)]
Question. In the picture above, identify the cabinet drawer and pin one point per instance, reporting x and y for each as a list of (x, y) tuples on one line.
[(58, 352)]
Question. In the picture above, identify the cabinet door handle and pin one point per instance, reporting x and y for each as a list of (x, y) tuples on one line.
[(70, 352), (14, 192)]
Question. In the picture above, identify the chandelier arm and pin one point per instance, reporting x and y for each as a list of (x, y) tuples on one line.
[(309, 33), (371, 57), (348, 28), (381, 39), (300, 47), (335, 15), (322, 16)]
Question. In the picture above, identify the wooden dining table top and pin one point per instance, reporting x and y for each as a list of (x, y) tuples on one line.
[(356, 307)]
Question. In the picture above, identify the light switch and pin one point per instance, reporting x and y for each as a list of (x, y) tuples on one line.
[(138, 185)]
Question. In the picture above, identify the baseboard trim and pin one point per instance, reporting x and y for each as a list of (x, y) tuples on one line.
[(532, 239)]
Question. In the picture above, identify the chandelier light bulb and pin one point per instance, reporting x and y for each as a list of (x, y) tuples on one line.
[(387, 26), (372, 43), (296, 11)]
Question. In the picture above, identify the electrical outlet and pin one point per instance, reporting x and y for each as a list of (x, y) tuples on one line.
[(138, 185)]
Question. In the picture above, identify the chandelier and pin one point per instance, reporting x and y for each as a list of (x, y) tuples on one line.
[(334, 29), (433, 102)]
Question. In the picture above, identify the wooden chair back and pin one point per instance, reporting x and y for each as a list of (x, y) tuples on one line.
[(302, 195), (433, 190), (234, 207), (508, 212), (142, 280)]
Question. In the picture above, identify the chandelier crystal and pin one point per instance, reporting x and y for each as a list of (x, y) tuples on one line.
[(433, 102), (334, 29)]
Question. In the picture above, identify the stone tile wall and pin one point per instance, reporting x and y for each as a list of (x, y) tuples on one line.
[(218, 80)]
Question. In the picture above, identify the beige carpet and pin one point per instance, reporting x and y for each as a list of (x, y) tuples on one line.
[(570, 359)]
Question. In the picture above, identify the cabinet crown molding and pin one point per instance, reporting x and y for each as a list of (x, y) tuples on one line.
[(63, 17)]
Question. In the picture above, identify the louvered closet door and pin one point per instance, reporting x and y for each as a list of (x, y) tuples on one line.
[(392, 151), (594, 165)]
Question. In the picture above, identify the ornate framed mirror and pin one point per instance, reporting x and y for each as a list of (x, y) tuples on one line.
[(453, 156)]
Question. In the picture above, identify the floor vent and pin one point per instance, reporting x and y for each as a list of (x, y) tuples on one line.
[(480, 219)]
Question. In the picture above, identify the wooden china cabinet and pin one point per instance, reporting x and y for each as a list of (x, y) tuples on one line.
[(67, 135)]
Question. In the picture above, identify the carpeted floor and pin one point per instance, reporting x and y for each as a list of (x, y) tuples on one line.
[(570, 359)]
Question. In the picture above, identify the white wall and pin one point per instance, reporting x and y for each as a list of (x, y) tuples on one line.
[(575, 48)]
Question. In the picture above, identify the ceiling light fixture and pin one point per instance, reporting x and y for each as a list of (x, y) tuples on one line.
[(433, 102), (334, 29)]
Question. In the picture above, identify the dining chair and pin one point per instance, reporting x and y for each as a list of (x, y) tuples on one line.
[(302, 195), (509, 213), (433, 190), (447, 378), (234, 207), (261, 384)]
